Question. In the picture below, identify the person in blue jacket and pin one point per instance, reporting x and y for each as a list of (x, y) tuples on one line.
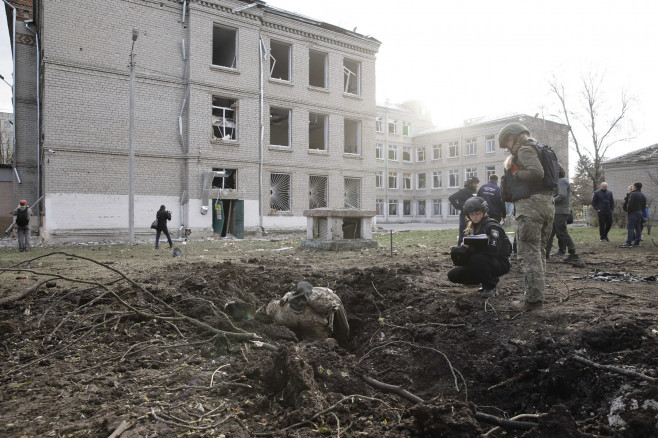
[(604, 204), (490, 192)]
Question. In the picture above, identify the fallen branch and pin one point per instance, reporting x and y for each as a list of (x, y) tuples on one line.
[(518, 417), (121, 429), (392, 388), (616, 369), (507, 424), (18, 295), (522, 375)]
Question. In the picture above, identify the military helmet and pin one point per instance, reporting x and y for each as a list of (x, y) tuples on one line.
[(475, 204), (513, 129)]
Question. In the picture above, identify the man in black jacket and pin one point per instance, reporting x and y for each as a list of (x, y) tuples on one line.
[(163, 215), (634, 204), (458, 199), (604, 204)]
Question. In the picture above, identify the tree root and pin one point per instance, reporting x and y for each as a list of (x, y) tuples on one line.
[(616, 369)]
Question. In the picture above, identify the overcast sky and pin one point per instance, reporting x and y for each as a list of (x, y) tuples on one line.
[(480, 57)]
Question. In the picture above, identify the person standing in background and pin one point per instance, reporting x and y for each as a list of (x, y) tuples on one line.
[(635, 204), (23, 213), (604, 204), (561, 198), (490, 192), (458, 199)]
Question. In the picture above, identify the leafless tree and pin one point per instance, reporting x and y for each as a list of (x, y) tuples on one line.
[(591, 115), (5, 147)]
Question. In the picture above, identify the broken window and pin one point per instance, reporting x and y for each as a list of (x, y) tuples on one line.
[(379, 180), (224, 46), (352, 136), (406, 154), (421, 208), (379, 151), (436, 179), (228, 181), (280, 192), (406, 181), (352, 76), (224, 118), (406, 207), (436, 207), (392, 153), (352, 192), (453, 178), (422, 181), (317, 131), (280, 126), (379, 203), (317, 69), (471, 146), (392, 207), (379, 124), (317, 193), (280, 54)]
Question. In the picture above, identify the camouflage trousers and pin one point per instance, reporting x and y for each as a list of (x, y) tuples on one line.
[(534, 218)]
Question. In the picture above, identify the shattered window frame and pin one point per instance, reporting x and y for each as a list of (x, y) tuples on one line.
[(280, 121), (224, 118), (225, 46), (351, 77), (280, 55), (228, 182), (318, 66)]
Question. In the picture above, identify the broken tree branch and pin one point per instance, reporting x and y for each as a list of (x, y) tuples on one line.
[(392, 388), (523, 374), (616, 369), (507, 424)]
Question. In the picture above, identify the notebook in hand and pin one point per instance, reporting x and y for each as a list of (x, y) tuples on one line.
[(476, 240)]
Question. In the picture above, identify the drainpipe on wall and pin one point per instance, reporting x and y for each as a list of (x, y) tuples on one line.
[(36, 36), (261, 54), (385, 176), (13, 89)]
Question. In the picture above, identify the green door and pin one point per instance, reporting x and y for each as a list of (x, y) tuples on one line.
[(239, 219), (217, 216)]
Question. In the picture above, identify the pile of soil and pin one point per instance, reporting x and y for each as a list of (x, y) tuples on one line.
[(187, 350)]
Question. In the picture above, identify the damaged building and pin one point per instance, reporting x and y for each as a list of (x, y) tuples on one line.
[(236, 115), (420, 166)]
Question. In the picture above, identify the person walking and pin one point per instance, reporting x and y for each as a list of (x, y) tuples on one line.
[(458, 199), (534, 210), (488, 258), (162, 216), (23, 213), (635, 204), (604, 204), (490, 192), (561, 199)]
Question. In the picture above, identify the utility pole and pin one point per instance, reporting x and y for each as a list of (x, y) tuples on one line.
[(131, 147)]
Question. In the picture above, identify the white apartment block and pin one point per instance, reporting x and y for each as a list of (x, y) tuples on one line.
[(235, 103), (418, 167)]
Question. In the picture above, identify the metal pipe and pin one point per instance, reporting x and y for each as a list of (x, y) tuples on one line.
[(36, 36), (261, 54)]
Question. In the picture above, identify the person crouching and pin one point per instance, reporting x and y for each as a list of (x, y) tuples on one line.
[(486, 247)]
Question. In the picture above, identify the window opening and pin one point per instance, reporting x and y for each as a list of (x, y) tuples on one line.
[(436, 152), (469, 173), (436, 179), (353, 192), (421, 181), (379, 180), (421, 208), (379, 203), (406, 154), (224, 118), (453, 150), (228, 181), (392, 153), (317, 69), (488, 171), (406, 181), (280, 126), (317, 196), (452, 211), (224, 46), (352, 76), (393, 127), (392, 180), (280, 192), (379, 124), (471, 146), (393, 207), (280, 60), (420, 154), (436, 207), (406, 128), (352, 137), (489, 144), (317, 131), (453, 178), (406, 207), (379, 151)]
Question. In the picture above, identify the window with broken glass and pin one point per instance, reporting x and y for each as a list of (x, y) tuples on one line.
[(280, 192), (224, 118), (317, 132), (226, 182), (280, 127), (280, 60), (352, 139), (351, 77), (224, 46), (317, 69)]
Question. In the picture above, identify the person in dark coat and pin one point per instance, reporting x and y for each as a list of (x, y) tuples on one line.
[(162, 216), (23, 213), (635, 204), (488, 260), (490, 192), (458, 199), (604, 204)]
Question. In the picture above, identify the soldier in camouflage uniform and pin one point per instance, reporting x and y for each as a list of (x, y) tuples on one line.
[(534, 211)]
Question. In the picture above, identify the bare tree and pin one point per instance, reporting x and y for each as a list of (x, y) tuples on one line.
[(592, 115), (5, 147)]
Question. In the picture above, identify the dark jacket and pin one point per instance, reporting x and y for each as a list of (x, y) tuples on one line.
[(525, 177), (561, 195), (498, 246), (603, 202), (635, 201), (490, 192), (458, 198), (163, 216)]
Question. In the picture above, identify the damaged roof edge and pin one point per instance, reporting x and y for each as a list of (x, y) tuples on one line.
[(311, 21)]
